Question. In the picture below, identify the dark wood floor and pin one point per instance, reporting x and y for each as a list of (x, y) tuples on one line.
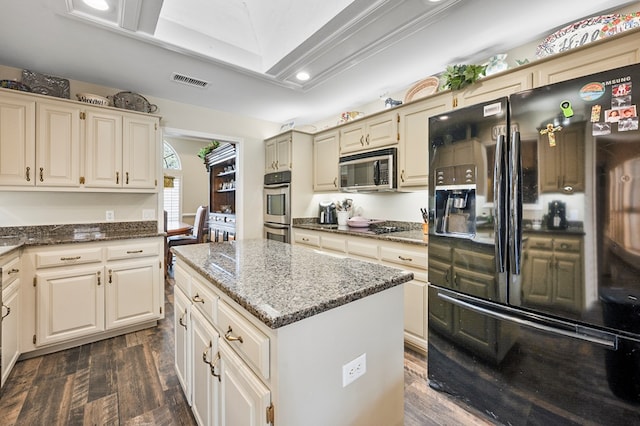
[(130, 380)]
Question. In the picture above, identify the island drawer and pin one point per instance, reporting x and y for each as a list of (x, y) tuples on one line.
[(250, 343), (203, 298), (10, 271), (48, 259), (132, 250)]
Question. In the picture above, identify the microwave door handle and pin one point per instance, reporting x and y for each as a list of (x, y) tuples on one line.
[(376, 172), (499, 199)]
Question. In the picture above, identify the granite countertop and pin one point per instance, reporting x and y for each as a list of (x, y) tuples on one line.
[(413, 236), (15, 237), (281, 283)]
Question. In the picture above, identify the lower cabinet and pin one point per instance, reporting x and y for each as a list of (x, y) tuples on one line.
[(10, 315), (220, 382), (85, 292), (410, 257)]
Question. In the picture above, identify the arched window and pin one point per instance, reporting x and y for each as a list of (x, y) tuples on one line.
[(172, 169)]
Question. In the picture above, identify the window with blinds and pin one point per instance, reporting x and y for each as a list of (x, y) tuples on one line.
[(172, 168)]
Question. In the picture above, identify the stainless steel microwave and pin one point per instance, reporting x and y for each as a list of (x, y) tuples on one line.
[(369, 171)]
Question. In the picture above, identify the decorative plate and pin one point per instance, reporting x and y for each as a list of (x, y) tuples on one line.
[(574, 35), (15, 85), (46, 84), (132, 101), (92, 99), (423, 88)]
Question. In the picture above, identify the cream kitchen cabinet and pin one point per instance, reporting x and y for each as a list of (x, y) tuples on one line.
[(220, 356), (494, 87), (182, 341), (326, 151), (589, 59), (17, 139), (121, 150), (277, 155), (76, 293), (413, 152), (133, 293), (58, 144), (405, 256), (10, 314), (369, 133), (53, 144)]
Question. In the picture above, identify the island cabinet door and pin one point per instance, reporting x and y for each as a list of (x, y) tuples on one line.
[(205, 360), (244, 399), (70, 304), (182, 326), (132, 292)]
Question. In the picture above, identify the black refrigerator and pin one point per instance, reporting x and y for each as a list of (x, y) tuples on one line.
[(534, 253)]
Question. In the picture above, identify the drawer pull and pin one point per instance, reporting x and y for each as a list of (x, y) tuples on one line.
[(206, 352), (213, 367), (8, 311), (407, 259), (28, 174), (181, 320), (197, 299), (66, 259), (134, 251), (231, 338), (305, 239), (13, 271)]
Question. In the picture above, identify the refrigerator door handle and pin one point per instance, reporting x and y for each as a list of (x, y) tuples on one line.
[(499, 199), (601, 338), (515, 204)]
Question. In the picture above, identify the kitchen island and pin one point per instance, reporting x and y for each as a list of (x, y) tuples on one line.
[(268, 332)]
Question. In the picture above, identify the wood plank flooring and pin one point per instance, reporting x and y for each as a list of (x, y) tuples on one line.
[(130, 380)]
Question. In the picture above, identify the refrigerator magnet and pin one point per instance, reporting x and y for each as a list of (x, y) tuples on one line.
[(600, 129), (627, 124), (612, 115), (595, 113)]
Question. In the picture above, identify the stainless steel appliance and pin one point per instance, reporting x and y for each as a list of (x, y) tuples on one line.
[(327, 213), (369, 171), (539, 324), (277, 206)]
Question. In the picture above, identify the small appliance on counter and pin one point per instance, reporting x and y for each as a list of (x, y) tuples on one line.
[(557, 216), (327, 213)]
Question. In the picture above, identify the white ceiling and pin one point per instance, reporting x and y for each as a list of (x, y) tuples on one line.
[(249, 51)]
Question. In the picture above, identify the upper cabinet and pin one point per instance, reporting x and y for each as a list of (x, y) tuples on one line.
[(369, 133), (496, 87), (17, 139), (590, 59), (325, 161), (413, 152), (277, 155), (64, 144)]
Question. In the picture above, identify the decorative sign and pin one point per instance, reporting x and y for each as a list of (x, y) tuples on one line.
[(587, 31), (501, 129)]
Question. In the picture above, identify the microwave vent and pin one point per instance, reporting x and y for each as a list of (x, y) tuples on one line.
[(189, 81)]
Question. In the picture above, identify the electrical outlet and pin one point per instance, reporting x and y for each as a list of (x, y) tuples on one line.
[(148, 214), (354, 369), (110, 216)]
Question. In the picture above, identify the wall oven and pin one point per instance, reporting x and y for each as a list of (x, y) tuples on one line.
[(277, 205)]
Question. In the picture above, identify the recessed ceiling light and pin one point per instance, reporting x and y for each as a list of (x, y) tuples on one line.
[(97, 4), (303, 76)]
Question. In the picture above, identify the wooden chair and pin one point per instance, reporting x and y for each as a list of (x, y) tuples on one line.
[(197, 234)]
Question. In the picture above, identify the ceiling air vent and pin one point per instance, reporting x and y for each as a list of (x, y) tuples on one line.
[(189, 81)]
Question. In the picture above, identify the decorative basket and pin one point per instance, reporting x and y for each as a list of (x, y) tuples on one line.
[(93, 99)]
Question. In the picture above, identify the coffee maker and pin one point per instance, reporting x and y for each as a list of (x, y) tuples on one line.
[(327, 213), (557, 215)]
